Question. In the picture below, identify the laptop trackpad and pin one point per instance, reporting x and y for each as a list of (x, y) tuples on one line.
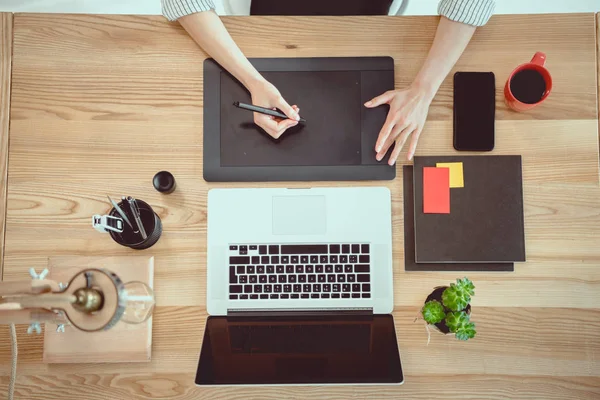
[(299, 215)]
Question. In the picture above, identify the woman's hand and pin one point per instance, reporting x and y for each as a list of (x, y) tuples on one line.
[(264, 94), (406, 117)]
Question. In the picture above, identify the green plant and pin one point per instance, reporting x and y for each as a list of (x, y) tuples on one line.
[(451, 310)]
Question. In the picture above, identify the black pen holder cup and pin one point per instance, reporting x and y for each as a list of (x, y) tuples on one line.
[(128, 237)]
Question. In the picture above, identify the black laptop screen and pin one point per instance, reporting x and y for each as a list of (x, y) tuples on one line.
[(330, 101), (300, 350)]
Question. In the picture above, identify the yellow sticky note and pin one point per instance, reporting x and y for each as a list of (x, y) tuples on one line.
[(456, 173)]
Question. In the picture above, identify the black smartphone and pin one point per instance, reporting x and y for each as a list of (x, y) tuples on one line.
[(474, 111)]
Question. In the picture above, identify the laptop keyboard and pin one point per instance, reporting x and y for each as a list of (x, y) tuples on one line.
[(299, 271)]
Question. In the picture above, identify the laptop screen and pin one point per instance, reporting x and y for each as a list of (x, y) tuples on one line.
[(299, 350)]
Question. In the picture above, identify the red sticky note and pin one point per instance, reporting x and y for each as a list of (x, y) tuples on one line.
[(436, 190)]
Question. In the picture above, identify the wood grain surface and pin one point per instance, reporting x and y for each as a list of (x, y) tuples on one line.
[(101, 103), (6, 40)]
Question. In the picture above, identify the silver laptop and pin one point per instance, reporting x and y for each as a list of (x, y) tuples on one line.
[(293, 272)]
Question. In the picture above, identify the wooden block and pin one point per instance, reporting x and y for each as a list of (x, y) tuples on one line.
[(122, 343)]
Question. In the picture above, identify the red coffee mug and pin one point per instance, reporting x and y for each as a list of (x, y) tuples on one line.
[(536, 64)]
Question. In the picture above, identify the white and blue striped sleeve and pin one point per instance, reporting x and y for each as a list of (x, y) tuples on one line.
[(175, 9), (470, 12)]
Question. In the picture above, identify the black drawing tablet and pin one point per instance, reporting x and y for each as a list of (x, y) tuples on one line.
[(336, 142)]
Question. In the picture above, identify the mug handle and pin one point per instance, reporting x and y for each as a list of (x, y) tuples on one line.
[(539, 58)]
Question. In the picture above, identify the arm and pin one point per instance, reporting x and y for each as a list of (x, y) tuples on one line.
[(207, 29), (409, 107)]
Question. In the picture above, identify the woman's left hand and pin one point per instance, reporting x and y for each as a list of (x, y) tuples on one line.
[(406, 117)]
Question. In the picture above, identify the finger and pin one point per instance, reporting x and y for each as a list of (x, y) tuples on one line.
[(268, 124), (381, 99), (287, 109), (413, 143), (386, 131), (390, 140), (400, 144), (283, 126)]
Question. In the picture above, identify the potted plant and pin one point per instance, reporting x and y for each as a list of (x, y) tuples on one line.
[(448, 308)]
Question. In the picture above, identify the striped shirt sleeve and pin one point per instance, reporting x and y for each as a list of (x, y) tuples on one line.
[(470, 12), (175, 9)]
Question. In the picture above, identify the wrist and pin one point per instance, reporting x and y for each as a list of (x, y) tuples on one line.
[(425, 88), (254, 83)]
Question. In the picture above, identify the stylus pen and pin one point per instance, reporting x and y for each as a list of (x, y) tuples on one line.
[(262, 110)]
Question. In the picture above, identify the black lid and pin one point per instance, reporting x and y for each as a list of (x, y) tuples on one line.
[(164, 182)]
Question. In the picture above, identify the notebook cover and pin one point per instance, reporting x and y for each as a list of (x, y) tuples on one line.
[(485, 223), (409, 239)]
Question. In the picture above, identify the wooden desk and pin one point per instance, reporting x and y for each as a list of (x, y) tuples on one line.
[(6, 37), (102, 103)]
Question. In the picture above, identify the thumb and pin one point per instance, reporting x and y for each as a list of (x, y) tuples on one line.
[(381, 99), (287, 109)]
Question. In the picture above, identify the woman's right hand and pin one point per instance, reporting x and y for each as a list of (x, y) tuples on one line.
[(266, 95)]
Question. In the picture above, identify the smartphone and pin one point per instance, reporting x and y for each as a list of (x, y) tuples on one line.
[(474, 111)]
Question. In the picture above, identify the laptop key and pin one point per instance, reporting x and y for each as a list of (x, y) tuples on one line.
[(353, 259), (233, 247), (334, 248), (262, 249), (280, 269), (304, 249), (297, 288), (341, 278), (362, 277), (294, 259), (304, 295), (345, 295), (253, 279), (344, 259), (262, 279), (255, 259), (272, 278), (289, 269), (356, 248), (329, 269), (309, 269), (233, 297), (241, 269), (265, 259), (336, 287), (301, 278), (361, 268), (277, 288), (253, 297), (356, 295), (243, 297), (364, 248), (284, 296), (233, 277), (322, 278), (306, 287), (366, 287), (326, 287), (282, 279), (324, 295), (285, 259), (258, 289), (304, 259), (274, 259), (347, 268), (345, 248), (314, 259), (331, 278), (312, 278), (366, 295), (323, 259), (316, 287), (319, 269), (247, 288), (295, 296), (253, 247), (235, 288), (314, 295), (363, 258), (243, 279), (274, 249), (287, 288), (243, 250), (346, 287), (350, 278), (270, 269), (264, 296), (335, 295), (333, 259), (268, 288), (356, 287), (292, 278), (250, 269), (299, 269), (260, 269)]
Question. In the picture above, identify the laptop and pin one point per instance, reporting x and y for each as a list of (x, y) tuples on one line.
[(299, 288)]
